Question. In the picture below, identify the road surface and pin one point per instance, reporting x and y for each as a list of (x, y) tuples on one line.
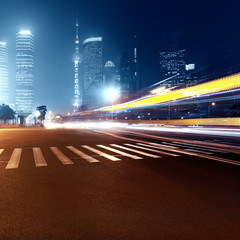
[(118, 183)]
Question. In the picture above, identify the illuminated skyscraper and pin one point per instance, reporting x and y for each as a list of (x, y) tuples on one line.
[(77, 59), (126, 78), (137, 85), (172, 59), (111, 77), (24, 73), (4, 98), (172, 68), (92, 67)]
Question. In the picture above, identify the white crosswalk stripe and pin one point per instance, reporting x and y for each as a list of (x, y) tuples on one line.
[(164, 147), (193, 147), (15, 158), (136, 151), (153, 150), (82, 155), (110, 157), (195, 150), (1, 150), (120, 152), (38, 157), (64, 160)]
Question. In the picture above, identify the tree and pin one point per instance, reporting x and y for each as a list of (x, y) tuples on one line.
[(6, 113), (42, 110)]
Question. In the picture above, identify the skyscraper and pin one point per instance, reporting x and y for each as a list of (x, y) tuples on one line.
[(125, 77), (220, 61), (77, 59), (136, 66), (24, 74), (172, 59), (111, 77), (92, 68), (4, 92), (172, 68)]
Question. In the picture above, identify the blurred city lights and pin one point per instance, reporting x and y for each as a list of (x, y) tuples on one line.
[(111, 94), (219, 85), (25, 32)]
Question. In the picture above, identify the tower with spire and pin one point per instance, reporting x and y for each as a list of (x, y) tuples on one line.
[(77, 59)]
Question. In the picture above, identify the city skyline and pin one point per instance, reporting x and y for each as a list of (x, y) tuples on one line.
[(54, 37)]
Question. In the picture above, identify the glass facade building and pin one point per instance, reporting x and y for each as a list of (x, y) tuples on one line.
[(24, 73), (111, 77), (92, 68), (172, 68), (126, 77), (4, 88)]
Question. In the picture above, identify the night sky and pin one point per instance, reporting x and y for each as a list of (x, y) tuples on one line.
[(117, 21)]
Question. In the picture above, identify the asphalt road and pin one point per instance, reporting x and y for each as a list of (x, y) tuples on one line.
[(183, 190)]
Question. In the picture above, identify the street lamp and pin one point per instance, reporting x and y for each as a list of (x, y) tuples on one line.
[(112, 94), (209, 107)]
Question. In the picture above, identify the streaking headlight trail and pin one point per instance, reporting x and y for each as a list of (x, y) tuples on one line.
[(215, 86)]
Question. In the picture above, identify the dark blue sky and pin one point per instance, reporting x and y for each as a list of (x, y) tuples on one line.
[(52, 23)]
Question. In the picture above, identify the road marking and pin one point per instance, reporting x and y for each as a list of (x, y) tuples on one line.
[(64, 160), (1, 150), (120, 152), (152, 150), (204, 156), (112, 158), (185, 152), (195, 150), (215, 146), (38, 157), (82, 155), (164, 147), (15, 159), (198, 147), (136, 151), (172, 145)]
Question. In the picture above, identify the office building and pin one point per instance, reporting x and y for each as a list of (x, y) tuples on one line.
[(24, 98), (111, 76), (220, 61), (136, 66), (126, 79), (111, 81), (190, 75), (4, 88), (92, 68), (172, 68)]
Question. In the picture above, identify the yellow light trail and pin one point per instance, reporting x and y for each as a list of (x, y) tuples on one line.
[(218, 85)]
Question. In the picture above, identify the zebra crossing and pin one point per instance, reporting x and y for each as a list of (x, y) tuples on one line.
[(113, 152)]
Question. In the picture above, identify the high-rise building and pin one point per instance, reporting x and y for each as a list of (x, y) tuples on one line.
[(92, 67), (111, 78), (24, 74), (77, 59), (220, 61), (190, 75), (4, 88), (136, 68), (126, 79), (172, 59), (172, 68)]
